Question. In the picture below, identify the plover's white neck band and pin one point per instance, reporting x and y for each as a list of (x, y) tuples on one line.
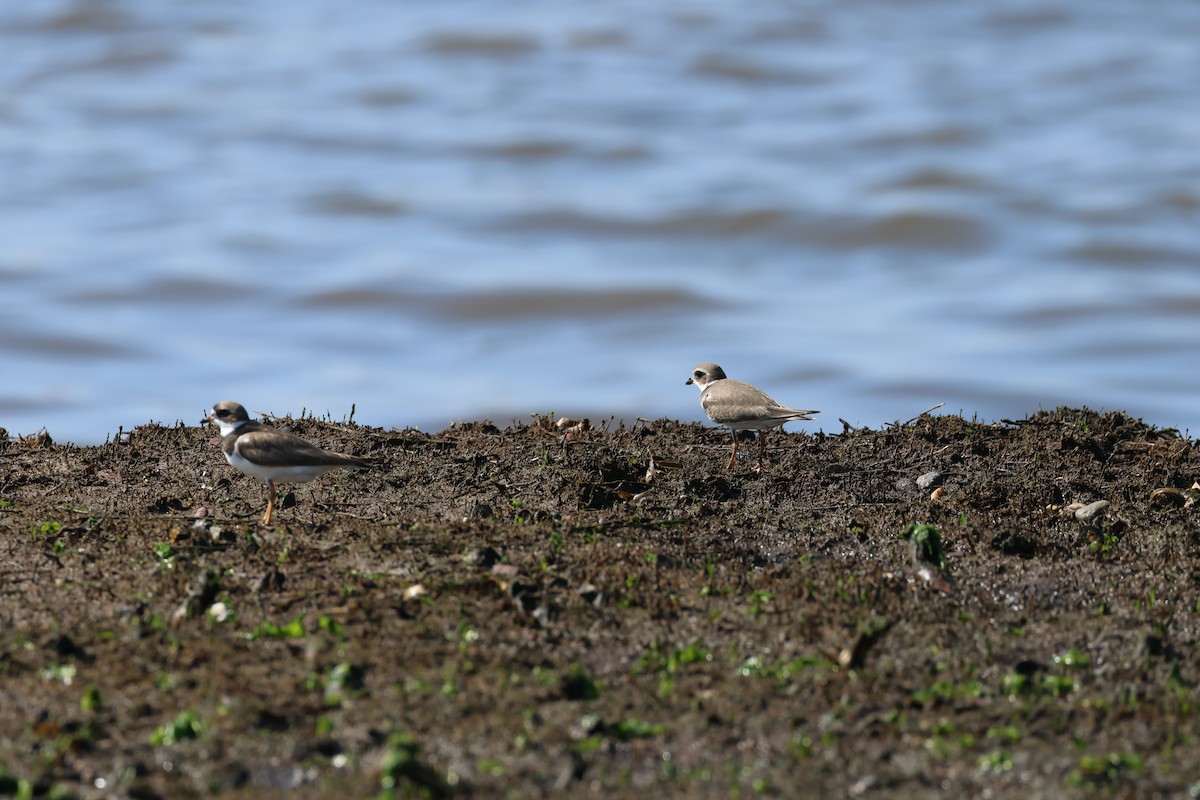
[(229, 427)]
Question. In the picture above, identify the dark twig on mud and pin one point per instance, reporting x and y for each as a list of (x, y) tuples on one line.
[(923, 413), (917, 417)]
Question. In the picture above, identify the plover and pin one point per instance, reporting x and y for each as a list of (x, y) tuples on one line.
[(275, 456), (740, 406)]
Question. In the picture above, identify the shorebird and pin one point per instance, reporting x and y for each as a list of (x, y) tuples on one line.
[(740, 406), (275, 456)]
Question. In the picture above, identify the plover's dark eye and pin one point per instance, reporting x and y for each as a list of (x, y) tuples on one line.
[(698, 373)]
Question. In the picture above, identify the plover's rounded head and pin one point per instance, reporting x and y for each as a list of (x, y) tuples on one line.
[(705, 373), (228, 415)]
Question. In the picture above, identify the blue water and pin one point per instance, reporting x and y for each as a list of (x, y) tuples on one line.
[(437, 211)]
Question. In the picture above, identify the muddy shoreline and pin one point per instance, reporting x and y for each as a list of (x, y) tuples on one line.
[(535, 610)]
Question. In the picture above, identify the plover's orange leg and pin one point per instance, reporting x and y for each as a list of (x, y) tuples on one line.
[(270, 502), (732, 455)]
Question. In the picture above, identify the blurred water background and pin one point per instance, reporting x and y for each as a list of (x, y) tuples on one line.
[(445, 210)]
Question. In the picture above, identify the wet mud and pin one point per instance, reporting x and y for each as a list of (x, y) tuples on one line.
[(542, 610)]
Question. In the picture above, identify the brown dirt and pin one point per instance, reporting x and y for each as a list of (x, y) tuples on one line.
[(512, 613)]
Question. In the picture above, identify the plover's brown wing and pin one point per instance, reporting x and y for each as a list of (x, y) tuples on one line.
[(269, 447), (730, 402)]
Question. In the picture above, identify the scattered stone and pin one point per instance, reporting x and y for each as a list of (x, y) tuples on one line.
[(544, 614), (506, 570), (219, 612), (862, 786), (1092, 511), (201, 597), (929, 480), (591, 594), (484, 557)]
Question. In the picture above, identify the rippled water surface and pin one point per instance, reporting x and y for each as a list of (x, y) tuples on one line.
[(451, 210)]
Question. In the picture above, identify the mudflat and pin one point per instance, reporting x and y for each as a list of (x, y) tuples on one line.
[(940, 608)]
